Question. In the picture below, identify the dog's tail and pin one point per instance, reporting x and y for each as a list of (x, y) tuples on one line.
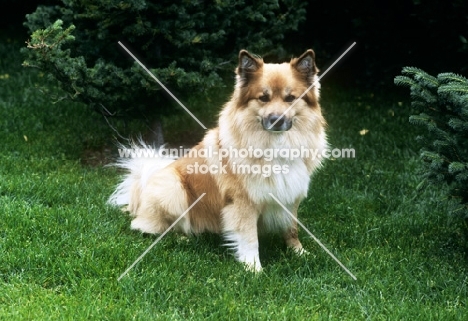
[(140, 161)]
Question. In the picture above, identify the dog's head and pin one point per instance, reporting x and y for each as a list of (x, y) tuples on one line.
[(274, 93)]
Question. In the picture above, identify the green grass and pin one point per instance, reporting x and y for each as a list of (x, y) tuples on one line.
[(62, 249)]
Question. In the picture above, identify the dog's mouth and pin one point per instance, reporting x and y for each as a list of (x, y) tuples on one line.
[(276, 123)]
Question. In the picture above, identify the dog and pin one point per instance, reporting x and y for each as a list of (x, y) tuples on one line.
[(270, 110)]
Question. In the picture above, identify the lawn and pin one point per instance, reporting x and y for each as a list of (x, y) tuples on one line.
[(62, 249)]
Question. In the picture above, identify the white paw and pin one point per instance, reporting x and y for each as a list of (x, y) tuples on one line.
[(300, 251), (143, 225), (254, 267), (246, 251)]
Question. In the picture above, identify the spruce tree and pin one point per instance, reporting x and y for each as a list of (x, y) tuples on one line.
[(441, 104), (187, 45)]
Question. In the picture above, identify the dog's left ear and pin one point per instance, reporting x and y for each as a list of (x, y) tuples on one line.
[(305, 65)]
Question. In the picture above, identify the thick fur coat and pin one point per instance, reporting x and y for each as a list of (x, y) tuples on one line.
[(263, 114)]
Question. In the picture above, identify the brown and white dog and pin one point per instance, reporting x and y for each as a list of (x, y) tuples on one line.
[(236, 177)]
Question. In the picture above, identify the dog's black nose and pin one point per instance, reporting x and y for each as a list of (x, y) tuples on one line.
[(276, 123)]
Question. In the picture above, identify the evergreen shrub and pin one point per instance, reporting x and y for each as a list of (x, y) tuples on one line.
[(187, 45), (441, 104)]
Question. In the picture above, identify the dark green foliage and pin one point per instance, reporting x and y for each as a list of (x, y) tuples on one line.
[(188, 45), (442, 104), (431, 34)]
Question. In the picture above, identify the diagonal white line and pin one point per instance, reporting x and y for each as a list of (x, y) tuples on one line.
[(313, 84), (313, 236), (161, 84), (159, 238)]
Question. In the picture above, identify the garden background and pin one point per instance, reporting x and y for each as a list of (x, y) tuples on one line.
[(62, 248)]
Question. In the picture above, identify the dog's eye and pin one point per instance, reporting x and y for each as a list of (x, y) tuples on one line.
[(264, 98), (289, 98)]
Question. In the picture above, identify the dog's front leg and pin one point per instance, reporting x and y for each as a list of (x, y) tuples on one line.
[(240, 231), (291, 236), (292, 240)]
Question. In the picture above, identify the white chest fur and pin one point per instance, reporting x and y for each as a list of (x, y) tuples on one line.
[(290, 183)]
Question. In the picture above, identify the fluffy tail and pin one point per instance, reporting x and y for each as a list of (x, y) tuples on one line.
[(140, 160)]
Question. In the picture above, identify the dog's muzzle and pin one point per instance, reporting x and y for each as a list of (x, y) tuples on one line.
[(276, 123)]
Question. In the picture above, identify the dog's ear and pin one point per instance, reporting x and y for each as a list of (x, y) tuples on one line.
[(248, 66), (305, 65)]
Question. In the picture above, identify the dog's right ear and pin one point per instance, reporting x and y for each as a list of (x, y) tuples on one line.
[(248, 66)]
